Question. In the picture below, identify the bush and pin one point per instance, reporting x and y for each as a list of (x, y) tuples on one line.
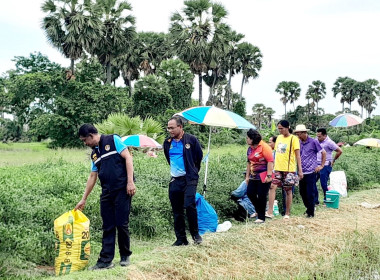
[(151, 96)]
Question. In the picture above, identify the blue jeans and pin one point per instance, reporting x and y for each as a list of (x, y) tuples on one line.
[(323, 176)]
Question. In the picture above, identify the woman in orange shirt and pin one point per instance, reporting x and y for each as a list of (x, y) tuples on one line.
[(259, 161)]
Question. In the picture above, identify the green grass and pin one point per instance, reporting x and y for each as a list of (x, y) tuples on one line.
[(40, 184)]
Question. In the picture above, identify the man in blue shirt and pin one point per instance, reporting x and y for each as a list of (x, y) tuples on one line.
[(184, 155), (112, 163)]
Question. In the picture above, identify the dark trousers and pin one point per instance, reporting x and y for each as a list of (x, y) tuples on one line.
[(257, 192), (323, 176), (182, 196), (115, 207), (307, 191)]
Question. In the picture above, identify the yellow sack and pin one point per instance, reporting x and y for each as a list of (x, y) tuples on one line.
[(72, 246)]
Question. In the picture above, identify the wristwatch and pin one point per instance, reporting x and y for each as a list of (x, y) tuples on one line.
[(269, 176)]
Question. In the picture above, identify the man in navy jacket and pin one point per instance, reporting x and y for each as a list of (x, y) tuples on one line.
[(184, 155)]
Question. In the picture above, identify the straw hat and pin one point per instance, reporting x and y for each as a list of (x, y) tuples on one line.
[(301, 128)]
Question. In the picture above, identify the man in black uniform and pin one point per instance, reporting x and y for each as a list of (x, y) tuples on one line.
[(184, 155), (112, 163)]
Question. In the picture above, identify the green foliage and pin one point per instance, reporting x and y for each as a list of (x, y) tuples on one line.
[(180, 82), (239, 108), (78, 103), (89, 70), (151, 96), (36, 62), (124, 125), (10, 130)]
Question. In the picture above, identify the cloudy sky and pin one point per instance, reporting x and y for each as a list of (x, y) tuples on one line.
[(300, 41)]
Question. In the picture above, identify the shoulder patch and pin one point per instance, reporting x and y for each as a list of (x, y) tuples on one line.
[(107, 148)]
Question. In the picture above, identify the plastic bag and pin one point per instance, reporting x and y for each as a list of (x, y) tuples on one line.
[(338, 182), (207, 217), (72, 246)]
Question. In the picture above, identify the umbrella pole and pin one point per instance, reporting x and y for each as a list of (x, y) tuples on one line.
[(208, 153)]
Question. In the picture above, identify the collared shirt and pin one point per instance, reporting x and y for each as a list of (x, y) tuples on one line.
[(177, 164), (309, 151), (329, 146), (259, 158)]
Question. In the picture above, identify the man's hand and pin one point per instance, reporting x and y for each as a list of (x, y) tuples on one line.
[(80, 205), (332, 163), (131, 189), (300, 175), (318, 168)]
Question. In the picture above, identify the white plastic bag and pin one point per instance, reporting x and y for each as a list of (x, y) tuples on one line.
[(338, 182), (224, 227)]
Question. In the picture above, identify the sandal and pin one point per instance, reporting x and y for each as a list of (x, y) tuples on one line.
[(286, 217), (254, 215), (258, 221), (270, 216)]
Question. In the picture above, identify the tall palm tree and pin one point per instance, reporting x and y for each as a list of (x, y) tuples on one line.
[(316, 91), (154, 48), (339, 88), (294, 92), (231, 60), (268, 113), (258, 113), (129, 64), (192, 31), (283, 89), (368, 91), (117, 32), (348, 90), (70, 27), (249, 57)]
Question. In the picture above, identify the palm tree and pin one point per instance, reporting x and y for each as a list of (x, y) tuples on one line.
[(341, 86), (258, 113), (192, 31), (348, 91), (129, 64), (70, 27), (283, 89), (268, 113), (249, 57), (154, 48), (294, 92), (368, 91), (316, 91), (117, 32), (231, 60)]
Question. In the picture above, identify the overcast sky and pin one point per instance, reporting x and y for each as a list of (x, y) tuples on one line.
[(300, 41)]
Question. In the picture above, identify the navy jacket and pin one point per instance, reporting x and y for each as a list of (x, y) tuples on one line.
[(192, 155)]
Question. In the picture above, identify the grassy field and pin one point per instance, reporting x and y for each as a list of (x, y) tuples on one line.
[(39, 184), (337, 244)]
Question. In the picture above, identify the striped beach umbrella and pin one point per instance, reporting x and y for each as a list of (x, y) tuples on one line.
[(346, 120), (140, 141), (213, 116)]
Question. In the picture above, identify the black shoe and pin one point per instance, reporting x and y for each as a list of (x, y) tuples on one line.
[(180, 243), (124, 261), (102, 265), (197, 239)]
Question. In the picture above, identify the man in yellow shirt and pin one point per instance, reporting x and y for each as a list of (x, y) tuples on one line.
[(287, 159)]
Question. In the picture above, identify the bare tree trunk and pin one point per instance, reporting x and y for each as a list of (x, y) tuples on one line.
[(229, 90), (241, 88), (108, 72), (200, 89), (72, 66), (285, 110)]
